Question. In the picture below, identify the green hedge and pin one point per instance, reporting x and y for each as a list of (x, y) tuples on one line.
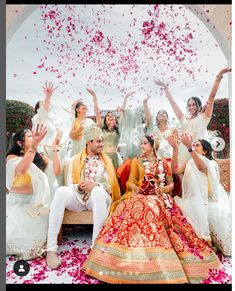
[(220, 122), (18, 115)]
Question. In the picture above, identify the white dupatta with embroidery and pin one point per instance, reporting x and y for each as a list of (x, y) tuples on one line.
[(208, 213)]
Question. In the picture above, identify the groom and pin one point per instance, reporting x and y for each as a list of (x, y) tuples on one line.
[(92, 185)]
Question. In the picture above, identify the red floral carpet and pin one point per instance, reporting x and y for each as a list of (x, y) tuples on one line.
[(73, 251)]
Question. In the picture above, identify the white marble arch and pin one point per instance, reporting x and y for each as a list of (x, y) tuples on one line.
[(219, 22)]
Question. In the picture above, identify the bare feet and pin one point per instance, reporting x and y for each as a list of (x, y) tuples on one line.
[(53, 261)]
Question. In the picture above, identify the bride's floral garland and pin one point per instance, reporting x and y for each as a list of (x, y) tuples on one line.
[(160, 177), (157, 169)]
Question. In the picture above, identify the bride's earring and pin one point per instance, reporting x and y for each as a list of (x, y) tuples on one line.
[(22, 151)]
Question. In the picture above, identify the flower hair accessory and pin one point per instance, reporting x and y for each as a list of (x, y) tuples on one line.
[(152, 136)]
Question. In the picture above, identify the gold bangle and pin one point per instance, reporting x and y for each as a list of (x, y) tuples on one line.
[(165, 189), (32, 150), (219, 77)]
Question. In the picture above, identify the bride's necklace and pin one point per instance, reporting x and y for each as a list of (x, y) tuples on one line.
[(156, 168), (149, 159), (149, 163), (152, 160)]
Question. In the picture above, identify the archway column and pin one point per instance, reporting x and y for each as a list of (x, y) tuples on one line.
[(15, 16)]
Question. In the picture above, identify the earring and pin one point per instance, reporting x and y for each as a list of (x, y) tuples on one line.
[(22, 151)]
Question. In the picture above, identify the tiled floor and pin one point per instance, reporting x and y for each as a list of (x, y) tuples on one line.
[(73, 252)]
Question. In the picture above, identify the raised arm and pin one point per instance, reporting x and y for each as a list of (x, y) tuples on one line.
[(188, 142), (123, 108), (28, 158), (175, 107), (96, 108), (175, 167), (56, 157), (210, 102), (76, 132), (48, 91), (146, 111)]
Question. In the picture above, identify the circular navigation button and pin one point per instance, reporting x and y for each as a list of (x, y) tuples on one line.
[(21, 268)]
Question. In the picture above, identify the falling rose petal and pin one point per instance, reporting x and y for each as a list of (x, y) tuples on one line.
[(78, 44)]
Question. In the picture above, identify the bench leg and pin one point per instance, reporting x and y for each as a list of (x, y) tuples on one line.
[(60, 235)]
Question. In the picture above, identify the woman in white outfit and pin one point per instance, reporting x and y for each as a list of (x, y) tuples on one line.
[(135, 123), (28, 197), (196, 121), (204, 200), (80, 122), (54, 118), (162, 131)]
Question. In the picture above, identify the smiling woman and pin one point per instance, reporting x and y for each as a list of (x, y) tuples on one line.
[(197, 119)]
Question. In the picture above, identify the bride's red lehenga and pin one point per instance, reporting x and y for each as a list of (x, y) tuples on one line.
[(147, 239)]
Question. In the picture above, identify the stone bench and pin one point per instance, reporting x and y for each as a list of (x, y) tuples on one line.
[(72, 217)]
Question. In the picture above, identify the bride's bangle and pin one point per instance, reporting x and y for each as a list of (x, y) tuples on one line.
[(160, 191), (166, 189)]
